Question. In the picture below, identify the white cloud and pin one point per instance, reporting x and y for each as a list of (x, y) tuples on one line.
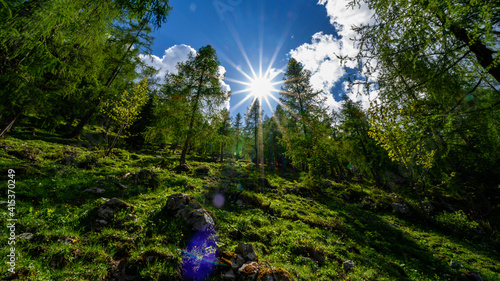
[(167, 63), (320, 56), (344, 18), (358, 93), (225, 87)]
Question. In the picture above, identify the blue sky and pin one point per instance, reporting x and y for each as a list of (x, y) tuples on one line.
[(312, 32)]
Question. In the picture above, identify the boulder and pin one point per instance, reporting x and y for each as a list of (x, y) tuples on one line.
[(94, 190), (183, 205), (107, 211), (247, 251)]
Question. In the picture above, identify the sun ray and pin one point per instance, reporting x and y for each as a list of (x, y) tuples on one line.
[(278, 47), (241, 102), (236, 37), (238, 81), (239, 92), (235, 66)]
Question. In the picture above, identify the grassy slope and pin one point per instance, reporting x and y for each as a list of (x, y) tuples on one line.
[(305, 227)]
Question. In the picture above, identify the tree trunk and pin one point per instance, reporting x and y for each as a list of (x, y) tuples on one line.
[(78, 129), (114, 141), (483, 54), (9, 125)]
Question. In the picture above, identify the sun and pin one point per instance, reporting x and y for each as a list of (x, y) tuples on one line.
[(261, 87)]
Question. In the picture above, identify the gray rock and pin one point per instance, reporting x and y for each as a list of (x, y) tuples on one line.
[(105, 212), (116, 203), (247, 251), (103, 222), (131, 217), (238, 262), (200, 219), (68, 240), (401, 208), (347, 265), (26, 236), (183, 205), (94, 190), (229, 275), (177, 201), (475, 277)]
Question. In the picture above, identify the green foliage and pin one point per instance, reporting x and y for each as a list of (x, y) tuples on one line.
[(125, 108), (189, 98), (457, 220)]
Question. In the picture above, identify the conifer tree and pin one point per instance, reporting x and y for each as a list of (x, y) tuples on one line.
[(189, 98)]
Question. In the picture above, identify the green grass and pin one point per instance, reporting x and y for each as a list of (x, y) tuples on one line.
[(304, 226)]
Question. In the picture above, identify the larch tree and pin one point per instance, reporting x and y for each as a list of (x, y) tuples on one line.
[(305, 114), (435, 66), (189, 97), (253, 126)]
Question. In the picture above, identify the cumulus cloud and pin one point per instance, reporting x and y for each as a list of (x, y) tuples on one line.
[(172, 56), (319, 58), (225, 87), (167, 63), (321, 55)]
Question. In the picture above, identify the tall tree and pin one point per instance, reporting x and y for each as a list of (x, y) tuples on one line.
[(305, 114), (253, 125), (238, 126), (224, 131), (191, 96)]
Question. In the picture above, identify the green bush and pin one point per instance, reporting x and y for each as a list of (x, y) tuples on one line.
[(457, 220)]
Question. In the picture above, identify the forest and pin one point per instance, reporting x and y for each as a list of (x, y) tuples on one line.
[(112, 174)]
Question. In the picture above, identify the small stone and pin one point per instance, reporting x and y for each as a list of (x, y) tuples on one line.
[(347, 265), (94, 190), (69, 240), (102, 222), (131, 217), (400, 208), (26, 236)]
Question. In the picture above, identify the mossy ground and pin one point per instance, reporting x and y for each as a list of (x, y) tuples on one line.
[(305, 226)]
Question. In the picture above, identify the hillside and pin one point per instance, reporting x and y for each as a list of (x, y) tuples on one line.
[(307, 227)]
